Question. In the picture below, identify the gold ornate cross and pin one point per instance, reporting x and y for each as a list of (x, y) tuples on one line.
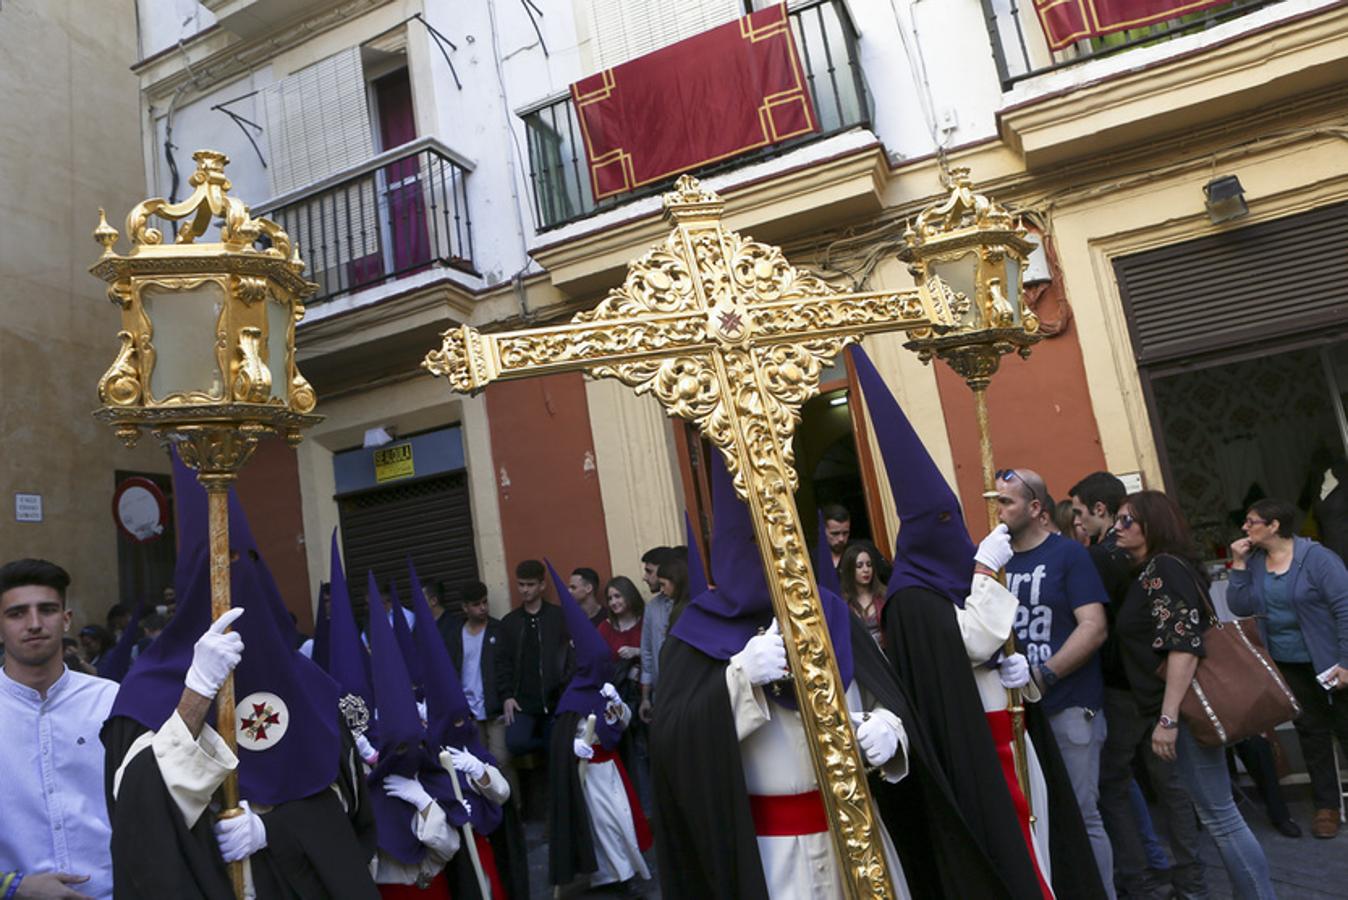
[(727, 334)]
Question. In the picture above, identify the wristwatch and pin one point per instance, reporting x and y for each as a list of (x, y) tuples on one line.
[(1166, 722), (1047, 676)]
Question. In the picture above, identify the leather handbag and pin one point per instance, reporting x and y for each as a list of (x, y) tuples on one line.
[(1237, 691)]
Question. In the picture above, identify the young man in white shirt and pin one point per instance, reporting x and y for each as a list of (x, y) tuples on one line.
[(54, 842)]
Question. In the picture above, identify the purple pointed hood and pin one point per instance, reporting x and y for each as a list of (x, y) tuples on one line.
[(825, 572), (720, 622), (403, 634), (593, 665), (323, 628), (402, 746), (450, 721), (933, 549), (348, 659), (289, 738), (697, 569)]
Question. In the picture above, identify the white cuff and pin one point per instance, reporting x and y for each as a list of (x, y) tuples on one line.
[(192, 769), (897, 768), (987, 617), (748, 703)]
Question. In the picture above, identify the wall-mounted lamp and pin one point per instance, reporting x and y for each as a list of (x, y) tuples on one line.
[(1225, 199)]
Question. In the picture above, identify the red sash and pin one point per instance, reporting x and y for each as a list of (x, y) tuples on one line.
[(488, 858), (787, 815), (438, 889), (1000, 723), (639, 823)]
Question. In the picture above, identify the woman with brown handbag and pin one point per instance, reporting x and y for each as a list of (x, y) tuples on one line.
[(1162, 619)]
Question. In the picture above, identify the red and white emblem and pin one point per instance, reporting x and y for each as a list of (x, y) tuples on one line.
[(262, 720)]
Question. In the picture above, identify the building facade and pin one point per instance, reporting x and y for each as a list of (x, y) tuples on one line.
[(431, 160), (71, 144)]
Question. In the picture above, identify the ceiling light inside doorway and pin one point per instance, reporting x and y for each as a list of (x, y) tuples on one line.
[(1225, 199), (378, 437), (838, 400)]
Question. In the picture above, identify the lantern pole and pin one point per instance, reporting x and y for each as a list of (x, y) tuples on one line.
[(244, 294)]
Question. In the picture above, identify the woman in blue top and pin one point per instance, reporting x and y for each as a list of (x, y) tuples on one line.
[(1300, 588)]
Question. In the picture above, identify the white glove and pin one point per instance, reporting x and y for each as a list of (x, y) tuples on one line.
[(1014, 671), (879, 742), (407, 789), (995, 550), (366, 750), (610, 693), (582, 749), (215, 656), (241, 836), (421, 711), (763, 658), (465, 762), (467, 807)]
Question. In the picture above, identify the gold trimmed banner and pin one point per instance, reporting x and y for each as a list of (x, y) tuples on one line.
[(710, 97), (1068, 21)]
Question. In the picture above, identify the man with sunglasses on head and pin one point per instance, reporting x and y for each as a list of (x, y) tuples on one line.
[(1061, 626)]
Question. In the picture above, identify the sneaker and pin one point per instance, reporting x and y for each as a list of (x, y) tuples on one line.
[(1326, 823)]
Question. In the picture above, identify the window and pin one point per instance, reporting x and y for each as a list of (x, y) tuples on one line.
[(625, 29)]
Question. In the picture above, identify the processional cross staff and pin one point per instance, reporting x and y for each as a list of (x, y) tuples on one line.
[(725, 333)]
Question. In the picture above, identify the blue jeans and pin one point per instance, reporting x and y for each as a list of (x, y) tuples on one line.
[(1080, 734), (1202, 772)]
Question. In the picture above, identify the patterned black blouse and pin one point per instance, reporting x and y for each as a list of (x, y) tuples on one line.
[(1162, 612)]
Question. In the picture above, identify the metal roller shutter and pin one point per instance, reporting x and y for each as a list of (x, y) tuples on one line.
[(1242, 287), (426, 518)]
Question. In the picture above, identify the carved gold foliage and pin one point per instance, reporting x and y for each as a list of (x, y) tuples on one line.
[(120, 385), (252, 378), (302, 396)]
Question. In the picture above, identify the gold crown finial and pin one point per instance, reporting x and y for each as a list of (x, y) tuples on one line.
[(690, 200), (105, 234)]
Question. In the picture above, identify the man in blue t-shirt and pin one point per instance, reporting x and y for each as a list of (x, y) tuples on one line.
[(1061, 626)]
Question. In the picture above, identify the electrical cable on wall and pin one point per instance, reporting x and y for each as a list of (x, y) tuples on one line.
[(441, 41), (530, 8), (244, 123)]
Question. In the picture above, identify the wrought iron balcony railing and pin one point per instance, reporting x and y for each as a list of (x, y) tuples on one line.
[(1020, 51), (827, 43), (404, 211)]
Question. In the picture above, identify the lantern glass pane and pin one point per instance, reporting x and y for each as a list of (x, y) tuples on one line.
[(961, 275), (1013, 286), (184, 323), (278, 340)]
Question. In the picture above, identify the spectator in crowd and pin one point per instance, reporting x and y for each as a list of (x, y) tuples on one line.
[(117, 618), (54, 839), (95, 640), (1060, 624), (1162, 621), (584, 589), (435, 601), (1299, 590), (622, 631), (533, 666), (837, 530), (150, 627), (169, 604), (654, 626), (1065, 522), (1095, 502), (861, 586), (673, 579), (475, 645)]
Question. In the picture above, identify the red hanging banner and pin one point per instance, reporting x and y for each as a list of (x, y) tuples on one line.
[(1068, 21), (710, 97)]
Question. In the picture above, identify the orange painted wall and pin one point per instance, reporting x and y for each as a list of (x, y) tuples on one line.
[(546, 481), (269, 488), (1041, 415)]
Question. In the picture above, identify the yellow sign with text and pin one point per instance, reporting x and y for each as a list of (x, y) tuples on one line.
[(392, 463)]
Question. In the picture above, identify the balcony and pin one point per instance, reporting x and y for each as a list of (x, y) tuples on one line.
[(1020, 51), (827, 43), (404, 211)]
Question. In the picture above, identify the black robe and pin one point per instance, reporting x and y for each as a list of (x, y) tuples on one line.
[(315, 848), (570, 846), (705, 836), (923, 640), (512, 862)]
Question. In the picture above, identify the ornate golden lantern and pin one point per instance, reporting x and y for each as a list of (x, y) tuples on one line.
[(207, 360)]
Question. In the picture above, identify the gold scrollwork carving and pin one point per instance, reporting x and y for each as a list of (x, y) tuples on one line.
[(120, 385), (252, 378)]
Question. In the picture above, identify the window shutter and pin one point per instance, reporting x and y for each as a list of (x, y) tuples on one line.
[(318, 122), (627, 29)]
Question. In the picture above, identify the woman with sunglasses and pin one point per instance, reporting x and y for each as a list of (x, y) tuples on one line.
[(1162, 620), (1299, 589)]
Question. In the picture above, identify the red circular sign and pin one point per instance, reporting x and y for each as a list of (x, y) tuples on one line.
[(140, 509)]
